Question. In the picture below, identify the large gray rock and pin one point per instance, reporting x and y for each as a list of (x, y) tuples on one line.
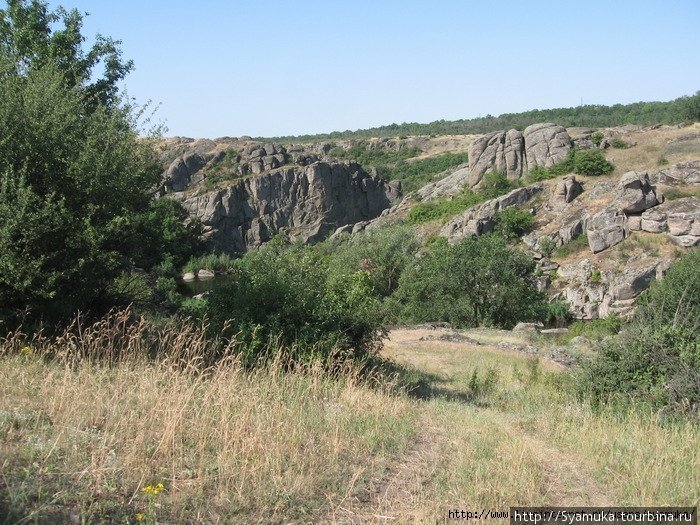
[(514, 152), (606, 229), (566, 191), (635, 193), (680, 219), (546, 144), (183, 171), (450, 185), (479, 220), (681, 173), (307, 203)]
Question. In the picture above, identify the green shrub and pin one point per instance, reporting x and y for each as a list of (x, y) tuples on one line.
[(495, 184), (513, 222), (479, 281), (618, 143), (597, 138), (286, 296), (546, 246), (539, 173), (656, 360), (557, 313), (591, 162)]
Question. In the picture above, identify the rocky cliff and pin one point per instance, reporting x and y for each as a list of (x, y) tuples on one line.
[(245, 192)]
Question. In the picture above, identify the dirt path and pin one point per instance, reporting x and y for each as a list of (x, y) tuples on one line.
[(402, 493), (395, 496)]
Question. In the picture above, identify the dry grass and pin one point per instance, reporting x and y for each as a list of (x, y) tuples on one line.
[(82, 433), (653, 145), (230, 446)]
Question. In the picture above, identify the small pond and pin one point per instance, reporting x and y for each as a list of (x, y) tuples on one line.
[(198, 286)]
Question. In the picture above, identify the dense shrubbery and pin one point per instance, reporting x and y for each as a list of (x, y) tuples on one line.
[(480, 281), (287, 296), (656, 360), (76, 206)]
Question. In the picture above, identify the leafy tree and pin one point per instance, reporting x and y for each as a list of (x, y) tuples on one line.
[(477, 281), (28, 38), (76, 181)]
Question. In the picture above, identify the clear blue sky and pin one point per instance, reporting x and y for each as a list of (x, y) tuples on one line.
[(267, 67)]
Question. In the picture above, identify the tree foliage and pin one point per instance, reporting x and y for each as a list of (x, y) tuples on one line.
[(479, 281), (77, 183), (29, 38), (288, 296)]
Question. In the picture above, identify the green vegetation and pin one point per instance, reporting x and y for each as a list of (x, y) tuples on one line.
[(495, 183), (380, 158), (577, 245), (590, 162), (512, 223), (479, 281), (76, 207), (442, 209), (682, 109), (286, 295), (597, 138), (393, 164), (679, 193), (618, 143), (656, 360), (419, 172)]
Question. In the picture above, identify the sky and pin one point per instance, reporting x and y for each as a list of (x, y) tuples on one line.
[(274, 67)]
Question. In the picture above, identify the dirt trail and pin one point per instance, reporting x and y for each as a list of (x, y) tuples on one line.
[(395, 497), (399, 495)]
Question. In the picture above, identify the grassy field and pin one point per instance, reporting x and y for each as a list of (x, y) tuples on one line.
[(88, 439)]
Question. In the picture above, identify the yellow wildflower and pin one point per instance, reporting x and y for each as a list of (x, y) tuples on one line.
[(139, 516), (27, 350)]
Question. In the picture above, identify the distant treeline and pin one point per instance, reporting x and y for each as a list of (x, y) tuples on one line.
[(682, 109)]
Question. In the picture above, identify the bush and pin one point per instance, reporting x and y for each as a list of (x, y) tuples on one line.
[(597, 138), (591, 162), (495, 184), (513, 222), (383, 253), (539, 173), (656, 360), (618, 143), (286, 296), (479, 281)]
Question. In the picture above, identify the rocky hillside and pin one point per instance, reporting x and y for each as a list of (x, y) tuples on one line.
[(245, 192), (598, 241)]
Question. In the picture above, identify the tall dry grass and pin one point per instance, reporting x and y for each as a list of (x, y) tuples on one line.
[(92, 416)]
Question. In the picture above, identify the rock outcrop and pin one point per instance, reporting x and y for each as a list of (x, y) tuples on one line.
[(635, 193), (679, 219), (307, 203), (681, 173), (566, 191), (514, 152), (479, 220)]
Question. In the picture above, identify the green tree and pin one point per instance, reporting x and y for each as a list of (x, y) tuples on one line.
[(76, 201), (29, 38), (477, 281)]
